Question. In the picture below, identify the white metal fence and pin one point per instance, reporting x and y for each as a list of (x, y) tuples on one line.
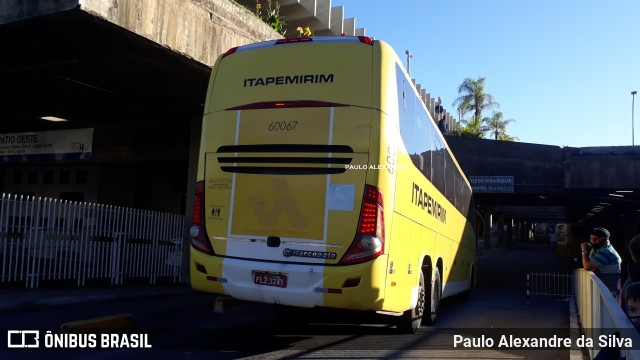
[(600, 314), (50, 239), (557, 285)]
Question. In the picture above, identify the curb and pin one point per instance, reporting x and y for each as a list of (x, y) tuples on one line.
[(35, 298), (115, 321)]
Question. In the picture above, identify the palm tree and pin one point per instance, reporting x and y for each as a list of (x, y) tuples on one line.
[(472, 129), (498, 127), (474, 98)]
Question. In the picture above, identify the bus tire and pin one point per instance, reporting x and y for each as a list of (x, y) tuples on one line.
[(433, 301), (466, 295), (411, 319)]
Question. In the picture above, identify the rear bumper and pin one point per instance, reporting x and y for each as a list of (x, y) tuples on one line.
[(355, 287)]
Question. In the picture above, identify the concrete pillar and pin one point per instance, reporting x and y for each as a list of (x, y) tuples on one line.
[(349, 26), (527, 230), (323, 12), (518, 230), (486, 216), (500, 230), (509, 222)]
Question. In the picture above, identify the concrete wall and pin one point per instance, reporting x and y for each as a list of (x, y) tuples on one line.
[(547, 168), (602, 167), (198, 29), (535, 168)]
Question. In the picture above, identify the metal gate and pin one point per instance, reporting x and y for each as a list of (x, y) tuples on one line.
[(557, 285)]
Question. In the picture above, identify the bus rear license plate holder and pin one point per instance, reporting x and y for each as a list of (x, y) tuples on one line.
[(270, 279)]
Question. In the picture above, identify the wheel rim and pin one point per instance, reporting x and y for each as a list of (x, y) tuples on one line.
[(436, 296), (421, 301)]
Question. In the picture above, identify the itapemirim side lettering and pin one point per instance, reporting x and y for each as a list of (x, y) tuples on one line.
[(423, 200), (289, 80)]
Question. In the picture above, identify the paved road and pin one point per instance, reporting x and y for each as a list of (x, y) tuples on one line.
[(184, 326)]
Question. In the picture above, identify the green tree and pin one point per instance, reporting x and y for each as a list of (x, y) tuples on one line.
[(271, 16), (471, 128), (473, 98), (496, 126)]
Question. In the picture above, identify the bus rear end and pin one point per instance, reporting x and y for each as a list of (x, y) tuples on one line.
[(286, 210)]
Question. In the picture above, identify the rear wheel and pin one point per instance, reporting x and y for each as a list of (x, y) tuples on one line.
[(472, 283), (433, 303), (411, 319)]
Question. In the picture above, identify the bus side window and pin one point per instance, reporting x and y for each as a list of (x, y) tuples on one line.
[(423, 139), (408, 122), (437, 159), (450, 180)]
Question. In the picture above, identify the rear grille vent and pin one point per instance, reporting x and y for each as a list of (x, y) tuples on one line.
[(295, 148), (242, 159)]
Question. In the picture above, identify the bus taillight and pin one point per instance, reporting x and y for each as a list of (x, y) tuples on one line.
[(365, 40), (230, 51), (197, 230), (369, 241)]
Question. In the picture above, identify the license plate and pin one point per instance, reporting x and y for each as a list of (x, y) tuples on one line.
[(270, 279)]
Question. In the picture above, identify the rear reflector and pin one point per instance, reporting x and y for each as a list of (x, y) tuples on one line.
[(328, 290)]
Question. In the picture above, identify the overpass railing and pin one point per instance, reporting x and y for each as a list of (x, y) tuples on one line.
[(601, 315), (44, 239)]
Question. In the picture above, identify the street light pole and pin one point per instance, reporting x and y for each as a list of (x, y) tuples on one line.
[(633, 100), (409, 56)]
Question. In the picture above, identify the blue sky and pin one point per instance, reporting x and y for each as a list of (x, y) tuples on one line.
[(562, 69)]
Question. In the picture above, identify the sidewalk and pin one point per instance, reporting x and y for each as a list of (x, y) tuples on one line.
[(505, 268), (16, 298)]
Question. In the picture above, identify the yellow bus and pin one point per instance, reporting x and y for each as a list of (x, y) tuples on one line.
[(324, 182)]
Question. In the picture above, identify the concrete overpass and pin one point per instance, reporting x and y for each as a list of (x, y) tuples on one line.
[(593, 185)]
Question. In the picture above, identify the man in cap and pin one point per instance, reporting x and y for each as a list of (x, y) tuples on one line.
[(598, 255)]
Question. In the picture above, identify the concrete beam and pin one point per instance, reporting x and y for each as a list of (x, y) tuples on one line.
[(349, 26), (323, 12), (293, 10), (336, 24)]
